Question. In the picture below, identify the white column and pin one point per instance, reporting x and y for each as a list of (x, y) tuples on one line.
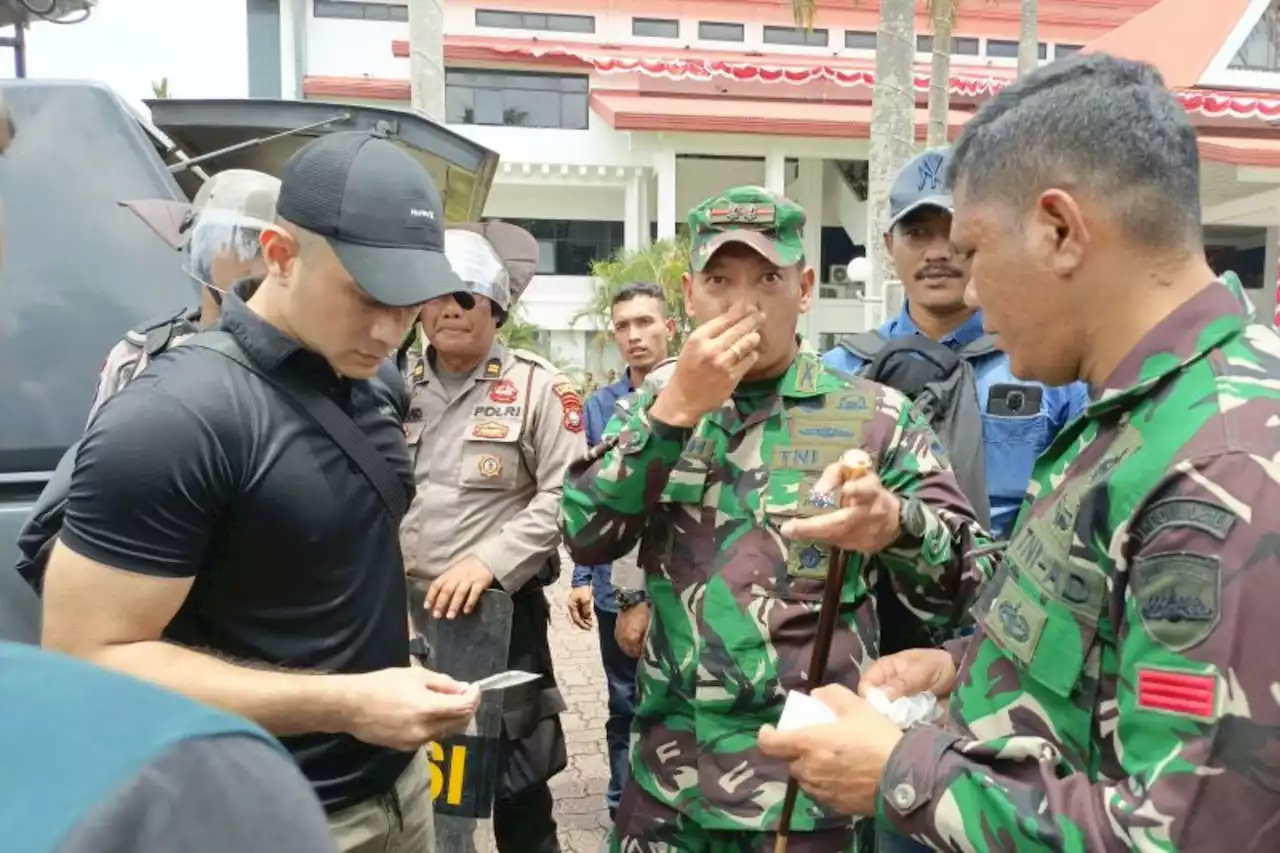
[(872, 299), (664, 163), (775, 172), (288, 52), (631, 222), (642, 207), (807, 192)]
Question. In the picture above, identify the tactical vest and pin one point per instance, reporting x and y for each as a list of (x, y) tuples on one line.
[(73, 734)]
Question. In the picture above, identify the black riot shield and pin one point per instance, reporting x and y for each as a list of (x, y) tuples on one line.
[(464, 768)]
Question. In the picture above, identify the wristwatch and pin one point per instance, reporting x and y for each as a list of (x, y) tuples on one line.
[(629, 598)]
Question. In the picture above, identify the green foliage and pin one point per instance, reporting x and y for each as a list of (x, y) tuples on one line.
[(663, 263), (160, 88)]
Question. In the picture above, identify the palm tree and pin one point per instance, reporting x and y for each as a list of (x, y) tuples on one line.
[(893, 106), (1029, 37), (663, 263), (943, 13), (519, 333), (160, 88), (426, 58)]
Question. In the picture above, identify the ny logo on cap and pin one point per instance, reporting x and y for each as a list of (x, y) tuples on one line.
[(930, 173)]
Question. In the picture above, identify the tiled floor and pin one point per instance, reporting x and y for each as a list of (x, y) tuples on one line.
[(579, 790)]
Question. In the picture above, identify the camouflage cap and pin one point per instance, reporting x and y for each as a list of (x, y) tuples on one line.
[(767, 222)]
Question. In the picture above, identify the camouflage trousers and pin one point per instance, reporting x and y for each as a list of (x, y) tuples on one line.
[(645, 825)]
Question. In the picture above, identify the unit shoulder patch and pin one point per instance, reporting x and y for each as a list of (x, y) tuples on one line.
[(1177, 596)]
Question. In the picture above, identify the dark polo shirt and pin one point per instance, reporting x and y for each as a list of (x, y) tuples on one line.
[(199, 469)]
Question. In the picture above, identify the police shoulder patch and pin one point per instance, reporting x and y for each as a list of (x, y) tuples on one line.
[(1177, 597), (571, 405)]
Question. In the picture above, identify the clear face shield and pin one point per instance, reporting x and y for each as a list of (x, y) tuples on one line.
[(224, 249), (223, 235), (480, 268)]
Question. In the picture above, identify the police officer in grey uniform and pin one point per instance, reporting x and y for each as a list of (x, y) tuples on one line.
[(220, 251), (492, 431)]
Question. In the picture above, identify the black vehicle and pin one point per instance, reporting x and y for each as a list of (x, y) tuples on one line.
[(80, 268)]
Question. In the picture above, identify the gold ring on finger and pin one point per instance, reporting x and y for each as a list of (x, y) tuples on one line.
[(737, 354)]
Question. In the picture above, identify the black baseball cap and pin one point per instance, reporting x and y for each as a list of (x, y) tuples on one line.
[(378, 208), (921, 183)]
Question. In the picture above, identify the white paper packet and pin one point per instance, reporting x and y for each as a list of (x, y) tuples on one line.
[(905, 711)]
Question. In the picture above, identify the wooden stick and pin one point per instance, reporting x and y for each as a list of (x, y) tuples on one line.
[(827, 619)]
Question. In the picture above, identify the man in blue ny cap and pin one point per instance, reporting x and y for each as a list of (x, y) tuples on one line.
[(1019, 419)]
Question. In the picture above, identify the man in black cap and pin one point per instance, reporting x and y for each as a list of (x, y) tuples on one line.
[(231, 529)]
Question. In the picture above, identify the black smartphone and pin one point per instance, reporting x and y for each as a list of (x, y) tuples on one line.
[(1015, 401)]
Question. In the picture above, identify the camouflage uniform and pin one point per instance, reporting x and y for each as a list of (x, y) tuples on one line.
[(734, 605), (1121, 691)]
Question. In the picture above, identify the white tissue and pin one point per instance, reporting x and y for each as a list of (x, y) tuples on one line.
[(802, 710), (907, 711)]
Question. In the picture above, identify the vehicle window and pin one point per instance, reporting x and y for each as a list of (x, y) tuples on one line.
[(79, 270)]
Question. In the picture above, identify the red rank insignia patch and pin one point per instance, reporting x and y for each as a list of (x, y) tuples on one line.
[(503, 391), (1183, 694)]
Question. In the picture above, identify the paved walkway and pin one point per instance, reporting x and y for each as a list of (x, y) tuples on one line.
[(579, 790)]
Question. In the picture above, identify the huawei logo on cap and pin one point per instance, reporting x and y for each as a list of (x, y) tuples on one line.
[(421, 213)]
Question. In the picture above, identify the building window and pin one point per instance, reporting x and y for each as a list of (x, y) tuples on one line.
[(1002, 49), (655, 28), (1061, 50), (535, 21), (1260, 51), (713, 31), (571, 246), (515, 99), (795, 35), (959, 46), (859, 40), (361, 11)]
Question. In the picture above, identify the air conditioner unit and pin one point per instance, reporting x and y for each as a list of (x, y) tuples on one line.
[(840, 274)]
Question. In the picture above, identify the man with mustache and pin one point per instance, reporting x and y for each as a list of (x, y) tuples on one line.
[(491, 432), (934, 277)]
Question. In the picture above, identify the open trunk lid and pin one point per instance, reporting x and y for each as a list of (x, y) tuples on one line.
[(263, 134)]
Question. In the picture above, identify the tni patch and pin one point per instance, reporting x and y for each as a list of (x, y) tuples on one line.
[(1178, 597), (741, 214)]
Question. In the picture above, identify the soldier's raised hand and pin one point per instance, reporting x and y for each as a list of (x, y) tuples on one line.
[(711, 363)]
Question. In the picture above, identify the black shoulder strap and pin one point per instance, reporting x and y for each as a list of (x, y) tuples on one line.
[(340, 427), (984, 345), (865, 345)]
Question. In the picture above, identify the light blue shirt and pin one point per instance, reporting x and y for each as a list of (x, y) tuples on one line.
[(1012, 443)]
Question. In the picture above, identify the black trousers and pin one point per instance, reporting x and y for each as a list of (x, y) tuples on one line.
[(533, 748), (524, 824)]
